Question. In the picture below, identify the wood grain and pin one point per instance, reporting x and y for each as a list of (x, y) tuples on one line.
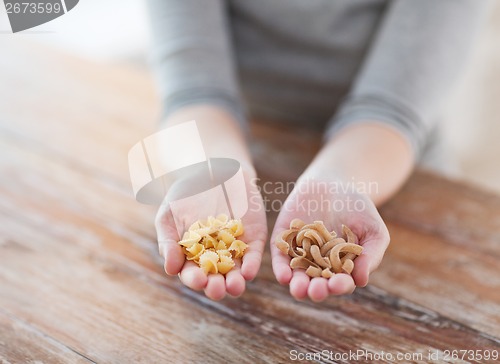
[(23, 343), (82, 280)]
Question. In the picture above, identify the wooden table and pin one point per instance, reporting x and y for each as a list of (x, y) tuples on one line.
[(81, 280)]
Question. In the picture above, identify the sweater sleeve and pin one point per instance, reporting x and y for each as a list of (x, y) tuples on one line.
[(192, 55), (417, 53)]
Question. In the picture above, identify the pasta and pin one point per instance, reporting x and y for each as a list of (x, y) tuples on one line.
[(208, 261), (225, 264), (318, 251), (238, 247), (213, 243), (195, 251)]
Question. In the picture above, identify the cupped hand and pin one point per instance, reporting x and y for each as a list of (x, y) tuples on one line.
[(335, 202), (217, 285)]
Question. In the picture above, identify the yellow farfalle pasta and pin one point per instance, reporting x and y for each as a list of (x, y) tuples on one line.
[(213, 243), (195, 251), (225, 264), (208, 261), (189, 238), (210, 242), (236, 227), (238, 247), (221, 245), (226, 236), (224, 253)]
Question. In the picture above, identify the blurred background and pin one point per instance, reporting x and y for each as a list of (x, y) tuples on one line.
[(95, 30)]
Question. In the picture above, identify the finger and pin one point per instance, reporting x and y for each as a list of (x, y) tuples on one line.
[(375, 247), (255, 233), (318, 289), (299, 284), (361, 271), (216, 287), (193, 277), (173, 255), (252, 259), (281, 265), (341, 283), (370, 259), (280, 261), (235, 283), (167, 241)]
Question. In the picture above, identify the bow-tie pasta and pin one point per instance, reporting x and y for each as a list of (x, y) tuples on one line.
[(213, 243)]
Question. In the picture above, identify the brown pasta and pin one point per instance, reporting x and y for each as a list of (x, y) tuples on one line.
[(313, 271), (319, 251), (213, 244), (327, 273)]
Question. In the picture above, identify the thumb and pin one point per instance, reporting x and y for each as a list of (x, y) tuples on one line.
[(168, 247)]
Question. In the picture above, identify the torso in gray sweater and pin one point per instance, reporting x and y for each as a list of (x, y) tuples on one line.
[(334, 62)]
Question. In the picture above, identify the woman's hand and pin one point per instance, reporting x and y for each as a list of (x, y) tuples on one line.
[(335, 202), (363, 164), (255, 234), (222, 138)]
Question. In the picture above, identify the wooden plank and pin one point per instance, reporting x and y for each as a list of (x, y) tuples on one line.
[(81, 107), (462, 285), (465, 216), (261, 294), (80, 254), (20, 342), (97, 305), (109, 312)]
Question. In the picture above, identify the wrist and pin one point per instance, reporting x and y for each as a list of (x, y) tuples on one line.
[(368, 154), (220, 132)]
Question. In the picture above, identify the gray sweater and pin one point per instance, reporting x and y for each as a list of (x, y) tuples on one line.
[(322, 62)]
